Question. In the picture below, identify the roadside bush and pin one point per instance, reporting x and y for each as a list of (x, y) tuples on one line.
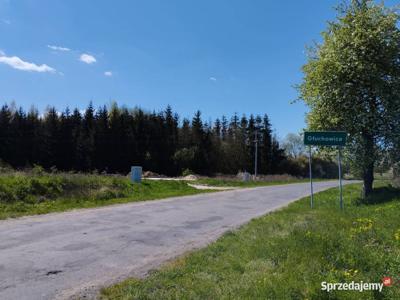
[(105, 193), (187, 172), (321, 167), (277, 178), (5, 167), (18, 187), (37, 170), (50, 187), (295, 166), (396, 175), (6, 194)]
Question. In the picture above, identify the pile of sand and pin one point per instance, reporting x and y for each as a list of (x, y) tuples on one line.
[(190, 177)]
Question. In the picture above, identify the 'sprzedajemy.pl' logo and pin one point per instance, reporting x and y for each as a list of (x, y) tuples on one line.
[(387, 281), (357, 286)]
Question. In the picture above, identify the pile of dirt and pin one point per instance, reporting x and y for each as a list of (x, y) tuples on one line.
[(190, 177), (150, 174)]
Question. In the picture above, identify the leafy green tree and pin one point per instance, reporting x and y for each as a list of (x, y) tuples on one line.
[(293, 145), (352, 82)]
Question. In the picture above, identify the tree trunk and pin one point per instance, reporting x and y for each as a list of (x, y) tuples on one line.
[(368, 168), (368, 178)]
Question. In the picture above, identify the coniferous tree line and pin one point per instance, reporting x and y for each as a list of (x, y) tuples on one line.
[(111, 139)]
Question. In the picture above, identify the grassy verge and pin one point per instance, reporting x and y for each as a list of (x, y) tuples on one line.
[(238, 183), (29, 194), (37, 192), (288, 253)]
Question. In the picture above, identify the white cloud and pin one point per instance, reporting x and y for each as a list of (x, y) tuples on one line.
[(17, 63), (108, 73), (213, 79), (7, 22), (87, 58), (58, 48)]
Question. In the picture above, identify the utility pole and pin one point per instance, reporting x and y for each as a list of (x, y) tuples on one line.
[(256, 154)]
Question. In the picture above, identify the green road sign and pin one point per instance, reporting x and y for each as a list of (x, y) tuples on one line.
[(325, 138)]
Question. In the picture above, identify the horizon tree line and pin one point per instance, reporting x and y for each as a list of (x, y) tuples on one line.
[(111, 139)]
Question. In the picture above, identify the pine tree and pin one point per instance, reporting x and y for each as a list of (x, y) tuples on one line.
[(266, 157), (224, 128), (77, 155), (114, 139), (102, 144), (87, 138), (5, 133), (50, 139), (33, 137)]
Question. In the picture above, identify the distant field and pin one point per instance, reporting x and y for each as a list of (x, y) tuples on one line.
[(24, 193), (288, 253)]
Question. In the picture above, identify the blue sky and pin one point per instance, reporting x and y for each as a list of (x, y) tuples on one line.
[(219, 56)]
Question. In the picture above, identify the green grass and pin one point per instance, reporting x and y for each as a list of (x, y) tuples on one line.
[(29, 194), (37, 192), (288, 253), (239, 183)]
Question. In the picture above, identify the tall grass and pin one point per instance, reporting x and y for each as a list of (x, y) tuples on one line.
[(33, 188), (32, 192)]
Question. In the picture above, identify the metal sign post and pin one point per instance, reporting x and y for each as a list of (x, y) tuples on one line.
[(311, 183), (326, 138), (340, 177)]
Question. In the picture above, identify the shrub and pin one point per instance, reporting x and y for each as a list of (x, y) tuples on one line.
[(38, 186), (6, 194), (396, 175), (37, 170), (105, 193), (187, 172), (321, 167)]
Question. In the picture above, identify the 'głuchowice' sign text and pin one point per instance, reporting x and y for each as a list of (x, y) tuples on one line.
[(325, 138)]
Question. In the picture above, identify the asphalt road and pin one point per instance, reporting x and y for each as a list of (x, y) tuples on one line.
[(74, 253)]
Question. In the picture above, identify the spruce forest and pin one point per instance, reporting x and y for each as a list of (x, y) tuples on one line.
[(111, 139)]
